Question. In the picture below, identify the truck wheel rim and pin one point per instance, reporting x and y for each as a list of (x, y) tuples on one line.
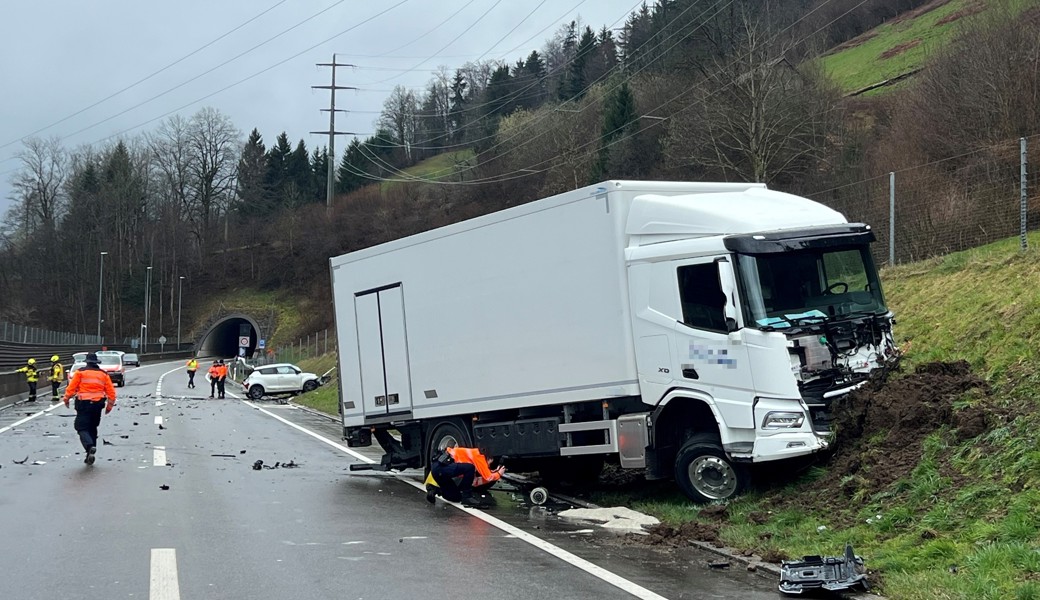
[(447, 441), (713, 477)]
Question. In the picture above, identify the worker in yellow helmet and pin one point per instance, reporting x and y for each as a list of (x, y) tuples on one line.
[(56, 377), (31, 377)]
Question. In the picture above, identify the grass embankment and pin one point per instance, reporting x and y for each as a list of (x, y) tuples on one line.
[(902, 44), (437, 168), (325, 398), (964, 522), (285, 307)]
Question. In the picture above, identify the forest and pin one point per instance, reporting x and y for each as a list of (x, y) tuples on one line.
[(684, 90)]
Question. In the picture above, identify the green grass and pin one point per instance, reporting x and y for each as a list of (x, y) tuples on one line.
[(437, 168), (861, 64), (326, 398), (975, 505)]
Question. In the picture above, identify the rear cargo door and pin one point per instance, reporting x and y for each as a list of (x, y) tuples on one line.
[(383, 350)]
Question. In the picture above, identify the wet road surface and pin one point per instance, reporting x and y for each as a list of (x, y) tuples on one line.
[(316, 530)]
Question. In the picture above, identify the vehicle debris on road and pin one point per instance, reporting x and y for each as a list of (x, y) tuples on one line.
[(830, 573)]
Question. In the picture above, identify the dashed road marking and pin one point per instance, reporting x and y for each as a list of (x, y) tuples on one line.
[(30, 417), (163, 584), (159, 456), (158, 419)]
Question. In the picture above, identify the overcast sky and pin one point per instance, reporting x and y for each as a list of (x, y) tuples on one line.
[(140, 61)]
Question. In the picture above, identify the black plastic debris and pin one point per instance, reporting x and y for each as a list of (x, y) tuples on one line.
[(105, 442), (830, 573), (164, 487), (223, 455), (258, 465), (20, 462), (719, 564)]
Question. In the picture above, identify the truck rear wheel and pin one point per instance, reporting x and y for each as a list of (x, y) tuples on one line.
[(704, 472), (447, 433)]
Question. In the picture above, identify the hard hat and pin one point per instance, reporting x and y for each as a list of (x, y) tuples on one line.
[(55, 358), (32, 361)]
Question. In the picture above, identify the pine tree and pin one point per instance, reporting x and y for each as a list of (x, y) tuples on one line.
[(619, 115), (276, 175), (252, 195)]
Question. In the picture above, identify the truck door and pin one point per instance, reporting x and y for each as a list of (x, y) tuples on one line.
[(383, 350)]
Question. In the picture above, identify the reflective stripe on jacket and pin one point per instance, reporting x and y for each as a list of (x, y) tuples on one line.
[(31, 374), (92, 384), (57, 372)]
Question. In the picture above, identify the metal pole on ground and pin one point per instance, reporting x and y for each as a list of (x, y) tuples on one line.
[(892, 218), (1023, 197)]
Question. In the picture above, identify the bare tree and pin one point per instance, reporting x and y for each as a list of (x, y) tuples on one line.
[(39, 184), (401, 117), (215, 144), (754, 117)]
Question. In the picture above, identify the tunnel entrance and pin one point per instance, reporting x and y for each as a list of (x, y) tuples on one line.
[(228, 335)]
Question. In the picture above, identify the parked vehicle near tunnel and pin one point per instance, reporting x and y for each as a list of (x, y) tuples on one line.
[(688, 329)]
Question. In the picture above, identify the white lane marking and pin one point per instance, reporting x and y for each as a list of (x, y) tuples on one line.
[(30, 417), (159, 457), (576, 561), (163, 583), (158, 384), (158, 419)]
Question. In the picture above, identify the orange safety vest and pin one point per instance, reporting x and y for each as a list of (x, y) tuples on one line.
[(213, 372), (475, 458), (222, 371), (92, 384)]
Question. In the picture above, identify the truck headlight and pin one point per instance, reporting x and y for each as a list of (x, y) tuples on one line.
[(783, 420)]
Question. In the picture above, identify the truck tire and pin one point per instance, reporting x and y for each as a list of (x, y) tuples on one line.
[(704, 472), (449, 432)]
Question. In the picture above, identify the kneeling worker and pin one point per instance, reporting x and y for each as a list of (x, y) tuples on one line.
[(455, 462)]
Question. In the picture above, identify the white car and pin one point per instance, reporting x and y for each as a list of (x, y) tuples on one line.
[(283, 378)]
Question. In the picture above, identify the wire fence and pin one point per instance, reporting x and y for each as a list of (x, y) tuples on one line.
[(944, 206), (312, 345), (21, 334)]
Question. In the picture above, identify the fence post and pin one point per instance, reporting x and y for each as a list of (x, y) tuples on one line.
[(1023, 197), (892, 217), (326, 340)]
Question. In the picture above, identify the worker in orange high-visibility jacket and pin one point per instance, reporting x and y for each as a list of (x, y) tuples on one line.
[(93, 391), (213, 374), (222, 371), (451, 463)]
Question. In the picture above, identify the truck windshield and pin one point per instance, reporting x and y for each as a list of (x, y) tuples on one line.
[(801, 287)]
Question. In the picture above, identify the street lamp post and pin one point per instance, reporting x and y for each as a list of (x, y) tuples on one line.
[(147, 304), (144, 332), (101, 283), (180, 291)]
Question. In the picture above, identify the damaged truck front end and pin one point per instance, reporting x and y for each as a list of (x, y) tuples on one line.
[(820, 291)]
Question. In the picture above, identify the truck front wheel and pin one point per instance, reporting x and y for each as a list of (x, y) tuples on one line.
[(704, 472), (445, 434)]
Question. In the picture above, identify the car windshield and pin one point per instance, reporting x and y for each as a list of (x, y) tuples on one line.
[(79, 357), (109, 359), (802, 287)]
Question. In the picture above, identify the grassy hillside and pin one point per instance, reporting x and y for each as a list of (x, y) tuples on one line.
[(936, 480), (902, 44), (440, 167)]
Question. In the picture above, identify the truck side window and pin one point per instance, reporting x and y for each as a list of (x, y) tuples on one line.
[(703, 302)]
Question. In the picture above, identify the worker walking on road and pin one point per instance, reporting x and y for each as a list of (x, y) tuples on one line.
[(193, 365), (56, 377), (453, 463), (93, 391), (212, 375), (31, 377)]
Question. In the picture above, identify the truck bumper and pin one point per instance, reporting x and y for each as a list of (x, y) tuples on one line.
[(787, 445)]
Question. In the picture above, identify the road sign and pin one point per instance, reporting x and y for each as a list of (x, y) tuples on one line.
[(243, 341), (162, 339), (262, 344)]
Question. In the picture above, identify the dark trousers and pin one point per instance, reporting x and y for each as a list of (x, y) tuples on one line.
[(220, 387), (212, 387), (88, 417), (191, 379), (32, 391), (54, 389), (445, 476)]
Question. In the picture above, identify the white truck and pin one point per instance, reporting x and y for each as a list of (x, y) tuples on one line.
[(688, 329)]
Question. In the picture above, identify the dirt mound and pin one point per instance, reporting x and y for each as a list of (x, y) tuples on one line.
[(969, 10), (900, 48), (880, 429)]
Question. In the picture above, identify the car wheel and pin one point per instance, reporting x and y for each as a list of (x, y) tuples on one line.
[(256, 392), (310, 385)]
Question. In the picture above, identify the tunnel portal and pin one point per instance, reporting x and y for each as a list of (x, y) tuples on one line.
[(227, 337)]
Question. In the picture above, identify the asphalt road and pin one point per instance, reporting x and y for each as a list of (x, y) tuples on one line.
[(316, 530)]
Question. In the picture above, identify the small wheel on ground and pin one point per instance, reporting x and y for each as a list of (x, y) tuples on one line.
[(310, 385), (539, 496), (704, 472), (256, 392)]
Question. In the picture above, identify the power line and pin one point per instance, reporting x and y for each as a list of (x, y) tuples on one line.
[(146, 78)]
